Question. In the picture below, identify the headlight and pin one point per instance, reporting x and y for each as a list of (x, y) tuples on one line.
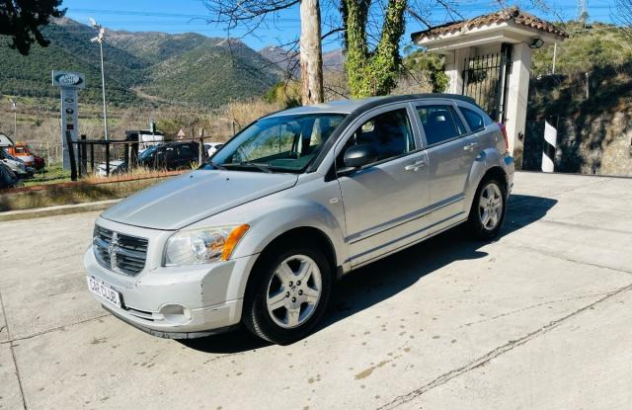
[(203, 245)]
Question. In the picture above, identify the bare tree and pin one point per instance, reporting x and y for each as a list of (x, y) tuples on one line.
[(311, 56), (23, 21), (624, 17), (251, 14)]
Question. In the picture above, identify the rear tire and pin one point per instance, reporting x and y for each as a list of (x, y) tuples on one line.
[(488, 209), (288, 293)]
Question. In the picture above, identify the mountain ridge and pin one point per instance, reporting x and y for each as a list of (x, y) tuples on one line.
[(140, 67)]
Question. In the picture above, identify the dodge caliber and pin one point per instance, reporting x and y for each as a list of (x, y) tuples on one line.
[(262, 231)]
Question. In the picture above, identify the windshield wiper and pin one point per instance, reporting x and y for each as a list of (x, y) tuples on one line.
[(260, 167)]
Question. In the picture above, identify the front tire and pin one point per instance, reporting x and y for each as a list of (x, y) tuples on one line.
[(488, 209), (288, 294)]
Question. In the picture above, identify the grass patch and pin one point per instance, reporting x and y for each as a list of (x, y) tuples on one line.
[(52, 174), (82, 193)]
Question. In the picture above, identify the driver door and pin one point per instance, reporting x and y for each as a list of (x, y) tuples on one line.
[(385, 201)]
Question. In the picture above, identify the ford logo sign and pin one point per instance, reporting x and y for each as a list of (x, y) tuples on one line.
[(69, 79)]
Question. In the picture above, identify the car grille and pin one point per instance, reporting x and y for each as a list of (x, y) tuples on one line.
[(118, 252)]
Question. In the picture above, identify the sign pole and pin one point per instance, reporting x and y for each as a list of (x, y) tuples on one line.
[(69, 83)]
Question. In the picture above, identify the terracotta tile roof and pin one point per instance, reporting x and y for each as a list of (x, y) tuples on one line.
[(511, 14)]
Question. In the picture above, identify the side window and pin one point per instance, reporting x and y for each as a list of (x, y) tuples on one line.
[(474, 120), (169, 153), (389, 133), (440, 123), (185, 152)]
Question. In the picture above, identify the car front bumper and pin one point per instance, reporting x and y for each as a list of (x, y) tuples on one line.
[(210, 296)]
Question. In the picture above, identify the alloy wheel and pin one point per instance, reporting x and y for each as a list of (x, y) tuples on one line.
[(490, 206), (294, 291)]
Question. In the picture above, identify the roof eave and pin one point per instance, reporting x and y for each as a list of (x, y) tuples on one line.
[(501, 32)]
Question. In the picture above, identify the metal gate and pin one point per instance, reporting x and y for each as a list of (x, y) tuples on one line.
[(485, 80)]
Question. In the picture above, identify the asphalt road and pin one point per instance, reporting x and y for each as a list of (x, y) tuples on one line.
[(540, 319)]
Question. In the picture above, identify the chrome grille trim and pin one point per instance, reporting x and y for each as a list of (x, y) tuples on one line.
[(119, 252)]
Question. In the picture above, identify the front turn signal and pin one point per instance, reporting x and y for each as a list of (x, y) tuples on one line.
[(233, 239)]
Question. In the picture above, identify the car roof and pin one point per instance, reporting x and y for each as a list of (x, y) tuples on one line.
[(173, 143), (364, 104)]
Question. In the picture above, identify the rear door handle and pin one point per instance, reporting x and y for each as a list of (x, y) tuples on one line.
[(470, 146), (416, 166)]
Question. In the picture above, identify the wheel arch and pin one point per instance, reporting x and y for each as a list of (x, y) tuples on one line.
[(479, 175), (308, 234), (496, 171)]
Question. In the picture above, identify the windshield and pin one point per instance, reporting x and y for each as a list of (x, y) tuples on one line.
[(147, 153), (286, 143)]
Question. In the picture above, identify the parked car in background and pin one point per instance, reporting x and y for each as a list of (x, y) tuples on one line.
[(16, 164), (171, 156), (212, 147), (260, 234), (23, 152), (8, 179)]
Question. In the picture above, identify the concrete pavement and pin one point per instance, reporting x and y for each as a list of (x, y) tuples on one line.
[(539, 319)]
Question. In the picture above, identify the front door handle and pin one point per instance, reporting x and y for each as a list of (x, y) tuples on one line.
[(470, 146), (415, 166)]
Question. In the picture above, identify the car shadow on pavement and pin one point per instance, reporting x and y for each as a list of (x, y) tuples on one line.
[(235, 341), (385, 278)]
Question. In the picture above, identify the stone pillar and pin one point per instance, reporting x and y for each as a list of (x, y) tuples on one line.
[(517, 97), (454, 64)]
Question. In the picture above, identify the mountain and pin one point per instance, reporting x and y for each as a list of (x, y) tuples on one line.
[(140, 67), (214, 72), (288, 61), (334, 60)]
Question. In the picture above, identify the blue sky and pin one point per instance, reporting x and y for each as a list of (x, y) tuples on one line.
[(189, 15)]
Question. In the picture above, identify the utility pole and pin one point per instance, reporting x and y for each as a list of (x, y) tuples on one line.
[(311, 54), (15, 118), (582, 11), (99, 39)]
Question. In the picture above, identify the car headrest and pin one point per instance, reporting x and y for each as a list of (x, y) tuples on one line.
[(438, 117)]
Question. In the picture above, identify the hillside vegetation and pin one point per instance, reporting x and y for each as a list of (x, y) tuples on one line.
[(593, 113), (588, 47)]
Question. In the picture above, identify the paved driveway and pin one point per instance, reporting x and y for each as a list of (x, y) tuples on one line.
[(540, 319)]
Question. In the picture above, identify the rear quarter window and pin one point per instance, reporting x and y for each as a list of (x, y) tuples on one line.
[(475, 120)]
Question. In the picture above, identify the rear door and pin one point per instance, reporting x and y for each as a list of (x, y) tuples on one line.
[(384, 201), (452, 149), (184, 156)]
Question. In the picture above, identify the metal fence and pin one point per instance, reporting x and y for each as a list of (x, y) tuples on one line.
[(484, 79), (108, 157)]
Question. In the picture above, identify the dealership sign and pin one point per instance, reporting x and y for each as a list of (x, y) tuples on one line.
[(69, 83), (66, 79)]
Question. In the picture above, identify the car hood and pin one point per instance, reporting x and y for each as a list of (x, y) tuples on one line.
[(196, 195), (15, 165)]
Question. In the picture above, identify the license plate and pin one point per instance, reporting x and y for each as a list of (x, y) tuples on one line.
[(104, 291)]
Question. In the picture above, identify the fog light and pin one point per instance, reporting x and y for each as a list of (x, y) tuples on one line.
[(176, 314)]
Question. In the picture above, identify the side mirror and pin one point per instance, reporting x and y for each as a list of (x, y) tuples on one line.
[(358, 156)]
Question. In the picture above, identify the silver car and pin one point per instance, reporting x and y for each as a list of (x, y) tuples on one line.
[(259, 235)]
